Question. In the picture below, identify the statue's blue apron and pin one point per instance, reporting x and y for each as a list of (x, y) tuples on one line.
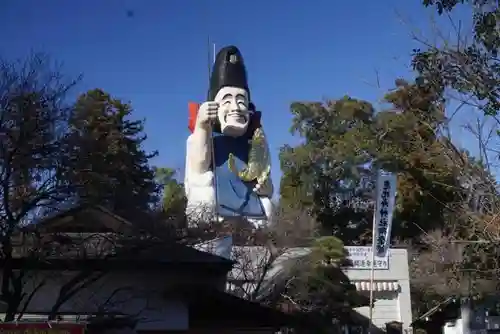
[(234, 196)]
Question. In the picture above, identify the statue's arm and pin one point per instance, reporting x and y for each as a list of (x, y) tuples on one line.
[(198, 173), (199, 151), (198, 182)]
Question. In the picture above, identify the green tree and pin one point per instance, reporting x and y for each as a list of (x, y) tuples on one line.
[(332, 172), (54, 153), (437, 182), (329, 174), (318, 286), (409, 142), (445, 196), (108, 161), (173, 197)]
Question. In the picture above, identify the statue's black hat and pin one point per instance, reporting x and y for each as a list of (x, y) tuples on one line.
[(229, 70)]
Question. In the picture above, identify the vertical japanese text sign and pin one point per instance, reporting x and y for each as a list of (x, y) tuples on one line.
[(384, 207)]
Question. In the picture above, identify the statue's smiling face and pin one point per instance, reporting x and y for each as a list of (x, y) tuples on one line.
[(234, 115)]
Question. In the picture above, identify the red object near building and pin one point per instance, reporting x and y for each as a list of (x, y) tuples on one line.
[(41, 328)]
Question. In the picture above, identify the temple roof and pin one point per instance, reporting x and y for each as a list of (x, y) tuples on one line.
[(96, 237), (229, 311)]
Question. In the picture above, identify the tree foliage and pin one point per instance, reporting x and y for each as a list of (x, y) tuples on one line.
[(332, 172), (173, 196), (459, 256), (329, 174), (107, 160), (33, 115), (55, 153), (442, 190), (319, 286), (470, 67)]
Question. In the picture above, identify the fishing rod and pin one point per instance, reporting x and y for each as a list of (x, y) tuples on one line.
[(210, 62)]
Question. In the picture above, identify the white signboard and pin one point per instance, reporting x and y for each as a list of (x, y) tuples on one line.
[(361, 258), (386, 196)]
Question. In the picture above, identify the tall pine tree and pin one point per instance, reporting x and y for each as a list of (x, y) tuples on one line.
[(109, 164)]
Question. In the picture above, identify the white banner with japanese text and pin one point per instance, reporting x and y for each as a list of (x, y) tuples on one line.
[(360, 257), (386, 196)]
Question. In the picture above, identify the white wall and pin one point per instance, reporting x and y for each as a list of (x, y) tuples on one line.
[(401, 301), (453, 327), (389, 306), (385, 308), (138, 294)]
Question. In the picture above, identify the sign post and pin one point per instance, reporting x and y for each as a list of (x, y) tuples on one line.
[(382, 223), (360, 258)]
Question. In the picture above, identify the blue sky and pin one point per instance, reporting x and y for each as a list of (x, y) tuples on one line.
[(157, 59)]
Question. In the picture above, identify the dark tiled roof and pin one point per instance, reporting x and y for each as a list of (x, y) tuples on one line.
[(56, 219), (113, 246), (173, 252), (229, 311)]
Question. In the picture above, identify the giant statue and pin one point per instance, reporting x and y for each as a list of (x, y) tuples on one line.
[(227, 162)]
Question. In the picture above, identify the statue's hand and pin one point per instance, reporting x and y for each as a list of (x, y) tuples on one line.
[(266, 189), (207, 114)]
